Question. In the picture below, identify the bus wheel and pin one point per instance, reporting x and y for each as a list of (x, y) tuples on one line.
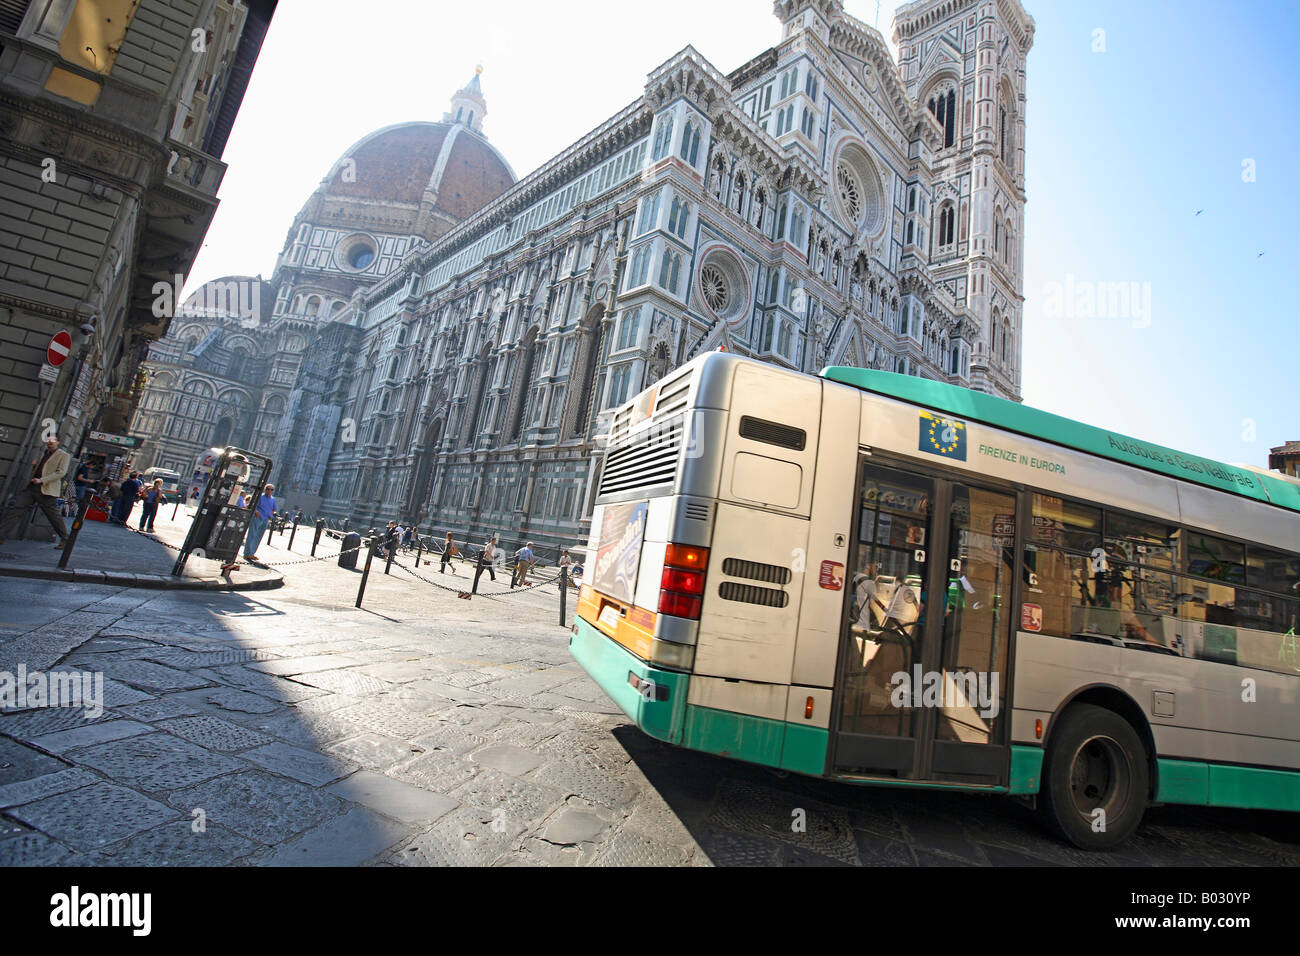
[(1095, 778)]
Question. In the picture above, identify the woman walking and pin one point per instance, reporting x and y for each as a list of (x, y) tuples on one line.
[(449, 551), (153, 497), (485, 561)]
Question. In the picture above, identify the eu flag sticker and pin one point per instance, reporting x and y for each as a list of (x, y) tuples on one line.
[(945, 437)]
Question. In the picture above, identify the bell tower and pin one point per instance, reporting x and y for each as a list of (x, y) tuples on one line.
[(964, 62)]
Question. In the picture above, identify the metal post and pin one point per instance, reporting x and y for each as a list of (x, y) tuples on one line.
[(82, 508), (179, 496), (564, 594), (392, 550), (419, 546), (365, 572), (293, 532), (320, 527)]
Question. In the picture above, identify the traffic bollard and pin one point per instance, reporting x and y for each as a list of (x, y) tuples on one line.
[(419, 546), (365, 572), (320, 527), (392, 550), (292, 532), (73, 531), (564, 594)]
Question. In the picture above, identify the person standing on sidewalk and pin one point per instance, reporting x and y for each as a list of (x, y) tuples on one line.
[(42, 491), (449, 551), (126, 502), (81, 482), (523, 562), (153, 497), (263, 508), (485, 562), (566, 563)]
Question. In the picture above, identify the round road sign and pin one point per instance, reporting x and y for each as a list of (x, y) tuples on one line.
[(59, 348)]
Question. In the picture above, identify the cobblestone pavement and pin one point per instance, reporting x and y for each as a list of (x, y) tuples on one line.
[(291, 728)]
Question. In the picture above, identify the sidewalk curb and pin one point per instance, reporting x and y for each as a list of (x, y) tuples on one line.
[(158, 582)]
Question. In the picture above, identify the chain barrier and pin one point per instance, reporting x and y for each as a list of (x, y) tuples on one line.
[(253, 561), (484, 594)]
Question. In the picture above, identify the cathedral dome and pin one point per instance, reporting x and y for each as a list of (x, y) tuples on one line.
[(449, 164)]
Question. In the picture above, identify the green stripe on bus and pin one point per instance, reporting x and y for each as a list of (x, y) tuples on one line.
[(805, 749), (1034, 423), (742, 736), (1225, 785), (609, 664), (1026, 769)]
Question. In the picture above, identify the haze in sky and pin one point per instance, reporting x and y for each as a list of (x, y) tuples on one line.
[(1160, 234)]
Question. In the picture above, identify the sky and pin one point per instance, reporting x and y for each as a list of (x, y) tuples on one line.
[(1160, 226)]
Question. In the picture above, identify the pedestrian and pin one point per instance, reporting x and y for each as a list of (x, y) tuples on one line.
[(81, 482), (263, 508), (485, 561), (153, 497), (523, 564), (41, 490), (390, 539), (409, 538), (449, 551), (566, 563), (131, 491)]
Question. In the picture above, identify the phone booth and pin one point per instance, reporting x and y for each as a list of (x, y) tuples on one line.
[(229, 496)]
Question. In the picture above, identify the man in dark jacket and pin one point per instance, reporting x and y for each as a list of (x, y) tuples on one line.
[(126, 503)]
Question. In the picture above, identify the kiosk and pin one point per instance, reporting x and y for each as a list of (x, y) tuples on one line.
[(221, 522)]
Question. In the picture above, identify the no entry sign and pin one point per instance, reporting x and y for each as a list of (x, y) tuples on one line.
[(59, 348)]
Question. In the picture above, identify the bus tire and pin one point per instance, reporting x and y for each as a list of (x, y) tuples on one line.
[(1095, 761)]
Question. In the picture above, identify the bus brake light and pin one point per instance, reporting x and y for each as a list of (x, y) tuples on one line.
[(681, 585), (675, 579)]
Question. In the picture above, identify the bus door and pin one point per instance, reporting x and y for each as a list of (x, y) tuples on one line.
[(921, 682)]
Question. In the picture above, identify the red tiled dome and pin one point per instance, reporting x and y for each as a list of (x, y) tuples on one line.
[(398, 163)]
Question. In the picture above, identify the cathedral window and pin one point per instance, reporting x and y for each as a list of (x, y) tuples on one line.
[(678, 214), (811, 86), (789, 80), (668, 272), (911, 199), (691, 143), (947, 222), (910, 232), (629, 329), (640, 268), (663, 137), (943, 107), (808, 123), (649, 213)]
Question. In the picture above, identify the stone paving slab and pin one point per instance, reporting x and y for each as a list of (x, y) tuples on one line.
[(393, 798), (348, 840), (309, 767), (96, 733), (259, 805), (46, 785), (179, 843), (155, 762), (92, 816)]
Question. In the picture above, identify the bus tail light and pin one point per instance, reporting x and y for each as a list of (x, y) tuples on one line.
[(681, 586)]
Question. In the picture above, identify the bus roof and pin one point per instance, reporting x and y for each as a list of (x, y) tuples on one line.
[(1059, 430)]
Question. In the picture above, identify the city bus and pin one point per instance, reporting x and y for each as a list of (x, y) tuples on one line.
[(882, 579), (171, 479)]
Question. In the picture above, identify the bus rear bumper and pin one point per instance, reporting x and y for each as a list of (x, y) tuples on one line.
[(655, 699)]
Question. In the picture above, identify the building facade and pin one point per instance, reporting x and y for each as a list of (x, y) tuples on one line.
[(821, 205), (114, 115), (1285, 458), (259, 358)]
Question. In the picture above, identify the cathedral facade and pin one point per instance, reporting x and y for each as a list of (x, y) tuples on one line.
[(821, 205)]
